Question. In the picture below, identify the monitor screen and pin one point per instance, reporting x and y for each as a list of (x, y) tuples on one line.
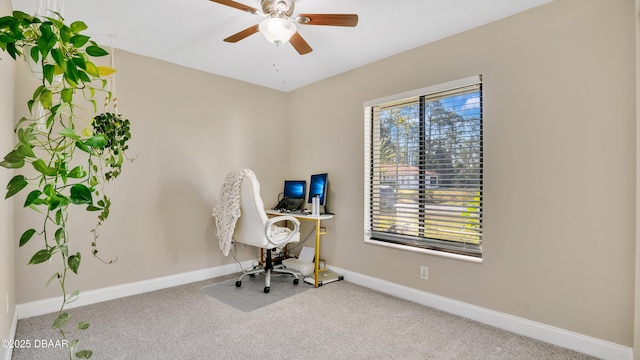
[(318, 187), (294, 189)]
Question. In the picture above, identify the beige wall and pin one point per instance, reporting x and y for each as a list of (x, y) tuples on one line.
[(7, 238), (559, 167), (559, 175), (637, 284), (189, 129)]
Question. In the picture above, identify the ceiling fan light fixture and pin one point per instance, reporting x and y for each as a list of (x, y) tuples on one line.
[(277, 30)]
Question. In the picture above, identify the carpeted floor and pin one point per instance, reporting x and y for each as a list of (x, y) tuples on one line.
[(336, 321)]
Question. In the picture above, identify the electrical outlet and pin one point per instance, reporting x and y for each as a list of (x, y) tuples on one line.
[(424, 273)]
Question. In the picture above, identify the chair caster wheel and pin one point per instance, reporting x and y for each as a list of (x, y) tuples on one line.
[(238, 283), (295, 281), (266, 289)]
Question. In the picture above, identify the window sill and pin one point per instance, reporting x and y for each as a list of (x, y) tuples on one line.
[(425, 251)]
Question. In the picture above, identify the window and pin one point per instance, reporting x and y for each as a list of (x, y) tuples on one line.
[(423, 168)]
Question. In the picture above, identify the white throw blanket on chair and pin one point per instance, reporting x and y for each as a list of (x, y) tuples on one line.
[(227, 210)]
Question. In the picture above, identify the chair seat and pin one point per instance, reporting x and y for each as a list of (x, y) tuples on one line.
[(281, 236)]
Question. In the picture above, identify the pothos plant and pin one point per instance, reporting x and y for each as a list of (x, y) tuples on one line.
[(63, 158)]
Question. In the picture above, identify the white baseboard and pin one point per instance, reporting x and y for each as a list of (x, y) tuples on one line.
[(50, 305), (8, 352), (567, 339)]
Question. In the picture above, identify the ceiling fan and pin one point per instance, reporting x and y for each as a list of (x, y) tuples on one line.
[(279, 27)]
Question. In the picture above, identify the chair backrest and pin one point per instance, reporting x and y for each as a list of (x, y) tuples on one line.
[(252, 221)]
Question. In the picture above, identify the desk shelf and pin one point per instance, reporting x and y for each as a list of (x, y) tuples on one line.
[(319, 231)]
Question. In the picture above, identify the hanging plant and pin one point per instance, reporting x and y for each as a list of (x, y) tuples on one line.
[(64, 158), (117, 131)]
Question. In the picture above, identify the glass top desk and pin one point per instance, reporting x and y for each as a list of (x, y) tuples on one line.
[(308, 217)]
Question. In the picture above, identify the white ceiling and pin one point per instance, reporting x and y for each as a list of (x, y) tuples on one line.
[(190, 33)]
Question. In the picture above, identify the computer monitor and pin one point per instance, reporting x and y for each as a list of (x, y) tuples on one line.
[(318, 187), (295, 189)]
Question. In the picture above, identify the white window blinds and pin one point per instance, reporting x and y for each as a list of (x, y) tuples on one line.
[(423, 168)]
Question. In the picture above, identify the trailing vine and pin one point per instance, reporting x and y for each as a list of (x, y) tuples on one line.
[(64, 158)]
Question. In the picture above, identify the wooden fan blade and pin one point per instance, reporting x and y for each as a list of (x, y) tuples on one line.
[(300, 44), (329, 19), (242, 34), (237, 5)]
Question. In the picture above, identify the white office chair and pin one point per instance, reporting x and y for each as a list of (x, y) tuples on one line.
[(256, 229)]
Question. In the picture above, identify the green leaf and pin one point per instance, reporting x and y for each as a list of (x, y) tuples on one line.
[(47, 71), (46, 31), (73, 346), (57, 56), (77, 172), (46, 98), (25, 150), (62, 170), (74, 262), (64, 249), (84, 354), (22, 16), (60, 320), (40, 257), (65, 32), (96, 51), (26, 236), (50, 119), (83, 147), (54, 109), (92, 69), (67, 95), (105, 70), (33, 198), (49, 190), (5, 38), (12, 50), (79, 61), (78, 26), (99, 141), (13, 160), (12, 165), (59, 216), (16, 184), (93, 208), (42, 168), (47, 40), (56, 202), (83, 76), (37, 92), (80, 194), (35, 54), (25, 136), (79, 40), (14, 156), (70, 133), (71, 73), (83, 325), (60, 235)]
